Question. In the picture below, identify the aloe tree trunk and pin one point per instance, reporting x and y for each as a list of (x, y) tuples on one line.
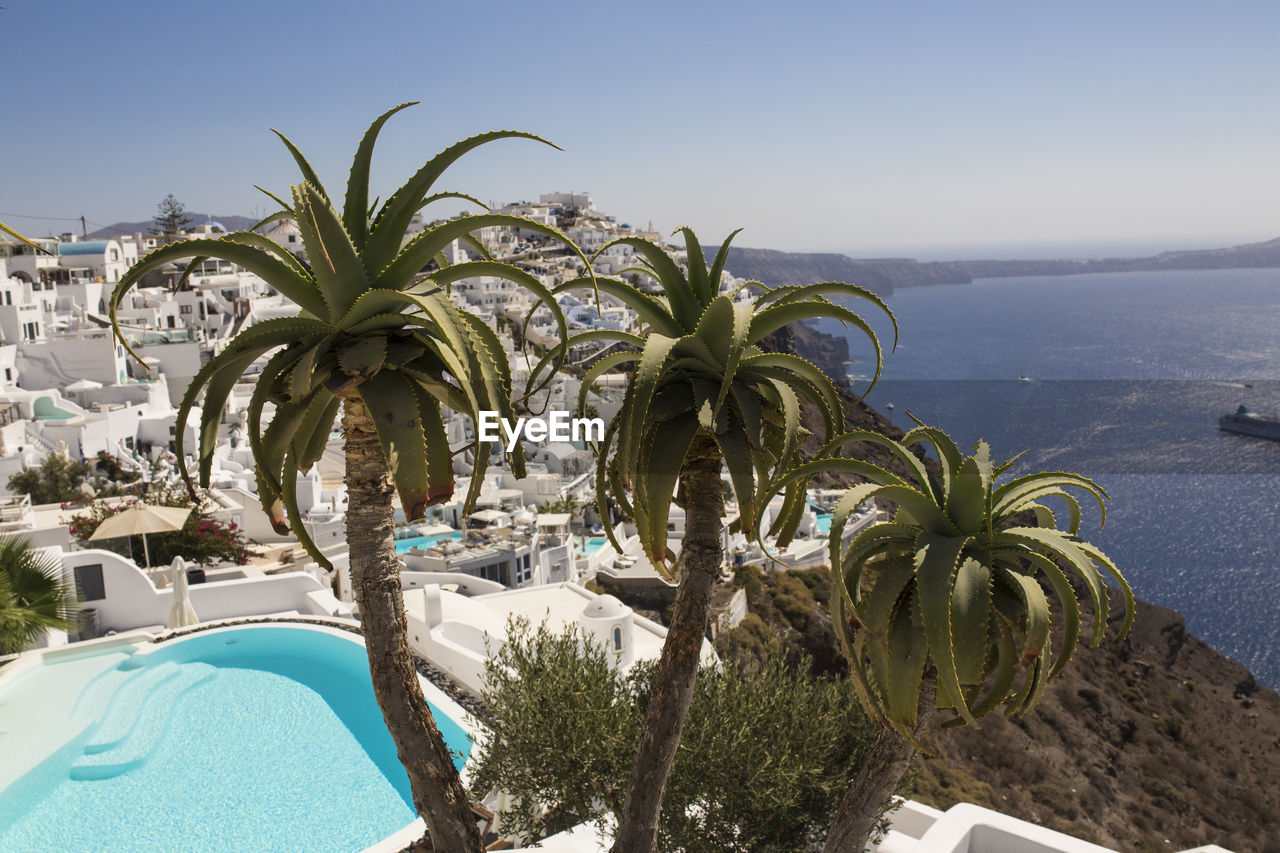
[(877, 780), (868, 795), (701, 556), (437, 790)]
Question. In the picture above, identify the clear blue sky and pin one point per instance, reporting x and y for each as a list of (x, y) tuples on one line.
[(857, 126)]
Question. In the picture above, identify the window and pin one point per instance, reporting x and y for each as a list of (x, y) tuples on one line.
[(89, 585), (115, 254), (617, 639), (184, 309), (293, 238), (8, 374), (8, 297)]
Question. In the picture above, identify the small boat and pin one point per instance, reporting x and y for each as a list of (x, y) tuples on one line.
[(888, 405)]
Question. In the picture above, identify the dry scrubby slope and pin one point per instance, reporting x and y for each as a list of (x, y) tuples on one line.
[(1155, 743)]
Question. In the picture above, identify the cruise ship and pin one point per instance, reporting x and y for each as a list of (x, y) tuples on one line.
[(1248, 422)]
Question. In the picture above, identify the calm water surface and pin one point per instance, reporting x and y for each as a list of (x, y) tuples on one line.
[(1122, 377)]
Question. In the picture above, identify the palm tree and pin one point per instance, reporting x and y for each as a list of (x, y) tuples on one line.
[(389, 350), (702, 394), (32, 595), (567, 503), (946, 606)]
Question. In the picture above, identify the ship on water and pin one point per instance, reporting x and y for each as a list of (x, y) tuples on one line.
[(1248, 422)]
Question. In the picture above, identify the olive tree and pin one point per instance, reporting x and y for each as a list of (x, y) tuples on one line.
[(764, 758)]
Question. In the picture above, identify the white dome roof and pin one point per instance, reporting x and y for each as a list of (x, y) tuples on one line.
[(606, 607)]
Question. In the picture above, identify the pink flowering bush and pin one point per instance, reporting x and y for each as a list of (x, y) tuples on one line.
[(203, 540)]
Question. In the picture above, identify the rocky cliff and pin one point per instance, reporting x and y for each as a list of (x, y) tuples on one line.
[(879, 275)]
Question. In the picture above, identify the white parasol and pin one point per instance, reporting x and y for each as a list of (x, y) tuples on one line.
[(141, 519)]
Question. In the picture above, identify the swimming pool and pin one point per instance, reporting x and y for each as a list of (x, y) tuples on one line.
[(590, 546), (404, 545), (43, 409), (245, 738), (824, 522)]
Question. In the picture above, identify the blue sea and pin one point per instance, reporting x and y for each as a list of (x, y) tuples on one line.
[(1121, 377)]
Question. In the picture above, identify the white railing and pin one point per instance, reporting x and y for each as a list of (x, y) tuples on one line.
[(16, 509), (38, 439)]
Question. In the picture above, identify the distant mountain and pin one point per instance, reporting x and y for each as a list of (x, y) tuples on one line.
[(232, 223), (882, 275), (1250, 255)]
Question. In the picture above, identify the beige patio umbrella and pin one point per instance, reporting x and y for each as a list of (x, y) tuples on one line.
[(141, 519), (181, 614)]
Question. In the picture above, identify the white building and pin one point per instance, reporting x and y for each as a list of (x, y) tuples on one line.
[(54, 360), (105, 260), (458, 633)]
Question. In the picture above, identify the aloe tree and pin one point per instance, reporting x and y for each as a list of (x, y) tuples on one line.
[(33, 597), (14, 234), (701, 395), (389, 349), (949, 605)]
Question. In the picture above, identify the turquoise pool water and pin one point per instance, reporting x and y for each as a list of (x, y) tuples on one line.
[(403, 545), (259, 738), (824, 523), (595, 543), (44, 409)]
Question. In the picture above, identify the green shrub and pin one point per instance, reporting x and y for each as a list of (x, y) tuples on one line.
[(763, 761)]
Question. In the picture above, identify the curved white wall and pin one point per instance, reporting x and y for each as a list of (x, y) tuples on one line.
[(132, 600)]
